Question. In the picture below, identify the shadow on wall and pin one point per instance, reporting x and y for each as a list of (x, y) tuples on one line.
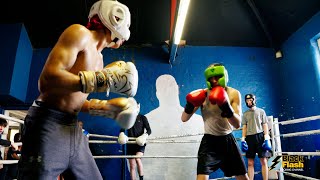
[(166, 121)]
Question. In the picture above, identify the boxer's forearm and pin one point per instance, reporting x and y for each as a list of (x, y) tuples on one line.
[(85, 106), (244, 131), (265, 129), (63, 81), (185, 117)]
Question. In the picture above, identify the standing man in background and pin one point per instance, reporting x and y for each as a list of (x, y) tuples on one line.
[(255, 136), (138, 130)]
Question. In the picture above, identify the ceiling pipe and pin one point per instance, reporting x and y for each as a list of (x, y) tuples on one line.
[(261, 22), (265, 28)]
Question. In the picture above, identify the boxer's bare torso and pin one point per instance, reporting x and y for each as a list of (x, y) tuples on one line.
[(77, 49)]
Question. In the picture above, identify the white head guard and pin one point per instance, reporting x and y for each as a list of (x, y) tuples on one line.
[(115, 16)]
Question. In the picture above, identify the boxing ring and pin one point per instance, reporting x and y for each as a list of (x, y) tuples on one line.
[(276, 171)]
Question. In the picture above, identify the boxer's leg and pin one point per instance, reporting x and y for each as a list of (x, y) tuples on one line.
[(140, 165), (45, 151), (133, 166), (82, 163)]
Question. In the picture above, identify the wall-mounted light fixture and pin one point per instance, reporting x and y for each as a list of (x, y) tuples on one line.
[(278, 54), (182, 13)]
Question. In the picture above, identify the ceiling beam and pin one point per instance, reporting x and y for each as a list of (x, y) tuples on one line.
[(262, 24)]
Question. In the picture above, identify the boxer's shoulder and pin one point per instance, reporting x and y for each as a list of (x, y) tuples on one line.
[(75, 32), (232, 91), (75, 36), (77, 28)]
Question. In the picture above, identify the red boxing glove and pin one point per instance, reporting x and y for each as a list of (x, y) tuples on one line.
[(195, 99), (220, 97)]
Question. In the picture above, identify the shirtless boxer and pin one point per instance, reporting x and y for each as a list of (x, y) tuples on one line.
[(52, 140)]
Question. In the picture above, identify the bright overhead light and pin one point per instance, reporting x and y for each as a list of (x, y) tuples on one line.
[(182, 13)]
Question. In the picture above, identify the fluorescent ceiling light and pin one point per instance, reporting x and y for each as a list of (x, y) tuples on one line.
[(182, 13)]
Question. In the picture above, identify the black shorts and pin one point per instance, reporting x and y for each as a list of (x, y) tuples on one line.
[(220, 152), (255, 146), (132, 149), (52, 143)]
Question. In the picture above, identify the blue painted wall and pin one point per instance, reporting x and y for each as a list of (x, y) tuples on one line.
[(20, 76), (285, 88), (38, 60), (8, 47), (300, 89), (250, 71), (15, 55)]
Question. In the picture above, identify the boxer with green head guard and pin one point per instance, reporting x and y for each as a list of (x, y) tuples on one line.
[(221, 110), (216, 70)]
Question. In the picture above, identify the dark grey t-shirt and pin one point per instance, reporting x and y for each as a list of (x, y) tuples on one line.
[(254, 119)]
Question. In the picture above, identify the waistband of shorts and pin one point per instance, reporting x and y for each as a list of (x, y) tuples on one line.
[(215, 136), (252, 135), (38, 109)]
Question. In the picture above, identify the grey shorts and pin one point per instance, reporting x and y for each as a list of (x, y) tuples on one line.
[(52, 143)]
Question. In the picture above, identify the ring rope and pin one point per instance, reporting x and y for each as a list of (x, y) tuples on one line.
[(302, 133), (297, 175), (258, 172), (109, 142), (132, 156), (174, 141), (134, 142), (175, 136), (103, 136), (12, 119), (18, 143), (9, 161), (106, 136), (298, 153), (311, 118), (151, 138), (185, 135)]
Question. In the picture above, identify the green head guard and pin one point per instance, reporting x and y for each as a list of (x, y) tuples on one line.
[(216, 70)]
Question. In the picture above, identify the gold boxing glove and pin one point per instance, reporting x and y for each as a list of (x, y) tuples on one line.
[(123, 110), (118, 77)]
